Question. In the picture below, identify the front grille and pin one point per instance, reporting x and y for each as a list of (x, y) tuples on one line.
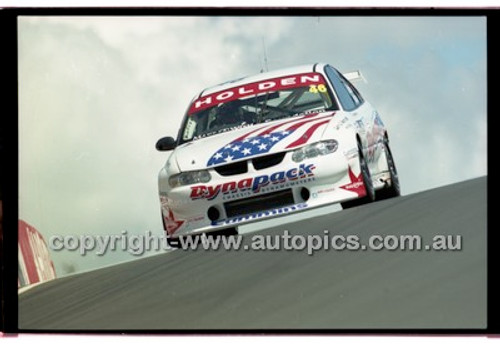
[(268, 161), (259, 203), (232, 169)]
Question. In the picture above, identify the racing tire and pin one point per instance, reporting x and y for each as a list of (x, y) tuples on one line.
[(367, 182), (392, 190)]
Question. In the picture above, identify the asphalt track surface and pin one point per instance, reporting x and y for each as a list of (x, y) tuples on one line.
[(266, 290)]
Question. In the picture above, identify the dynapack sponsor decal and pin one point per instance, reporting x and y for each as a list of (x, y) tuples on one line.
[(294, 81), (262, 214), (255, 184)]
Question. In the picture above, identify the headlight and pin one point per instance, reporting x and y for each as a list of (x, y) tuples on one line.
[(314, 150), (187, 178)]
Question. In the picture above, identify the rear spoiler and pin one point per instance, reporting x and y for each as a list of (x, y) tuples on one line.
[(354, 76)]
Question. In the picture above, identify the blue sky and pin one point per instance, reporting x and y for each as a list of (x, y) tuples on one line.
[(96, 93)]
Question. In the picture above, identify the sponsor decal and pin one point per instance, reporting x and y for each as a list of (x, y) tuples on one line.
[(267, 189), (377, 120), (253, 185), (353, 186), (195, 219), (223, 130), (359, 124), (294, 81), (261, 140), (356, 185), (171, 223), (316, 194), (189, 129), (323, 191), (341, 123), (262, 214)]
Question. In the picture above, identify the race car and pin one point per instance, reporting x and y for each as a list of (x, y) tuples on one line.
[(272, 144)]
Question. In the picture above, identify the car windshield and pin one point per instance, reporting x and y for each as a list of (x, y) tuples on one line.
[(256, 103)]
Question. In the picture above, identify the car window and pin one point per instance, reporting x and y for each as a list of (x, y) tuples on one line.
[(349, 97), (259, 102), (355, 95)]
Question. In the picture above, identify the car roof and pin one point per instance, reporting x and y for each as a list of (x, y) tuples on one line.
[(261, 76)]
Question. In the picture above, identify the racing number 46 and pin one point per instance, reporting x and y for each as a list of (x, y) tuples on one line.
[(321, 88)]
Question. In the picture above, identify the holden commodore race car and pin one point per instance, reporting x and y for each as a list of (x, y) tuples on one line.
[(270, 145)]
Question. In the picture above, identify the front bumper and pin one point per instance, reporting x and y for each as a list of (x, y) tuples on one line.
[(284, 188)]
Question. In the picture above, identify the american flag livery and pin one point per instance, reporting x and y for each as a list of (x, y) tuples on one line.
[(261, 140)]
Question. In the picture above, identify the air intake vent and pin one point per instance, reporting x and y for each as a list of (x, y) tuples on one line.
[(232, 169), (268, 161), (259, 203)]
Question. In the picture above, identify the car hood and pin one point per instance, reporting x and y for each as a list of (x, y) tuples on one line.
[(252, 141)]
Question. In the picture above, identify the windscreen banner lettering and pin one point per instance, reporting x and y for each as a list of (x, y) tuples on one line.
[(295, 81)]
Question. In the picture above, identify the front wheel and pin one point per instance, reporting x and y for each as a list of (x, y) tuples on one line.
[(392, 189)]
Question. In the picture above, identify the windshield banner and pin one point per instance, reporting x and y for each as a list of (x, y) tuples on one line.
[(274, 84)]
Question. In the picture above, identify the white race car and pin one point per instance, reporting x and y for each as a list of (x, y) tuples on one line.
[(273, 144)]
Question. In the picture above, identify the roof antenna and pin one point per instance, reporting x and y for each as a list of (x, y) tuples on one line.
[(265, 56)]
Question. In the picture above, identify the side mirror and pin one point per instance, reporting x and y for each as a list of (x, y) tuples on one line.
[(166, 144)]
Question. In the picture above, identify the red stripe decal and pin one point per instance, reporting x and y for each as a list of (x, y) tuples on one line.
[(300, 124), (307, 135), (271, 129), (304, 120), (246, 135)]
